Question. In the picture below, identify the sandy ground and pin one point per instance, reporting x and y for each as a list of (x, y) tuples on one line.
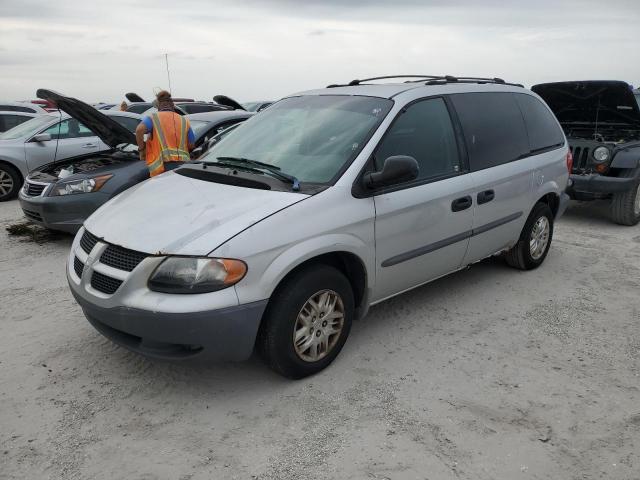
[(489, 373)]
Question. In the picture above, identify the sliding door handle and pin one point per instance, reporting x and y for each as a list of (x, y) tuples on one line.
[(486, 196)]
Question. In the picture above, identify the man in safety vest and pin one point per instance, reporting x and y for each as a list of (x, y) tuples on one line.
[(170, 137)]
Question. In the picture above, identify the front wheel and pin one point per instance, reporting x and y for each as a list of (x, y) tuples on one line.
[(535, 240), (625, 206), (307, 322), (10, 182)]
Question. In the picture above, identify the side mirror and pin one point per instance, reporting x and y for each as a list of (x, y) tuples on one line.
[(42, 137), (396, 169)]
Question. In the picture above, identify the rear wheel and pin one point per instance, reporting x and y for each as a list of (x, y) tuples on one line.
[(307, 322), (10, 181), (625, 206), (535, 240)]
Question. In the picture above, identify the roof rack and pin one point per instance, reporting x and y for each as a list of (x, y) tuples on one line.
[(430, 80)]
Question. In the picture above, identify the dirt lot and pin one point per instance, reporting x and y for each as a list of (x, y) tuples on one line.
[(489, 373)]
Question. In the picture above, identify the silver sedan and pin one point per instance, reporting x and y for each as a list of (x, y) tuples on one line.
[(45, 139)]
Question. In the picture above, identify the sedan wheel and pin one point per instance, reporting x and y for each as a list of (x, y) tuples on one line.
[(9, 182)]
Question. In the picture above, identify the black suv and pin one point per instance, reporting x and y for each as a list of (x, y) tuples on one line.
[(601, 120)]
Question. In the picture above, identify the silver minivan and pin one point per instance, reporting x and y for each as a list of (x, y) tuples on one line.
[(324, 204)]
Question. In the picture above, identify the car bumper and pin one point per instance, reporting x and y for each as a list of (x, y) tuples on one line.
[(595, 183), (65, 213), (222, 334), (562, 206)]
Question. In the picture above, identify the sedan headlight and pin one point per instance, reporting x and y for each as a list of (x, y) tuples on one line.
[(601, 154), (196, 275), (84, 185)]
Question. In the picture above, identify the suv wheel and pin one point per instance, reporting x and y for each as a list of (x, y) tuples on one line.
[(9, 182), (307, 322), (535, 240), (625, 206)]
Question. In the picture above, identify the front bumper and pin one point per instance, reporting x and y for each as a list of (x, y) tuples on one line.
[(63, 213), (223, 334), (595, 183)]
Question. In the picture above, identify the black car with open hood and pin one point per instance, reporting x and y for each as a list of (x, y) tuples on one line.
[(601, 119), (62, 194)]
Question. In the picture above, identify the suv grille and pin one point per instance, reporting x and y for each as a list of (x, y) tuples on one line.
[(122, 258), (78, 266), (34, 189), (88, 241), (105, 284), (580, 157)]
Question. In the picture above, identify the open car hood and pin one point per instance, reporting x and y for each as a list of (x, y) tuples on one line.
[(228, 101), (592, 101), (134, 97), (109, 131)]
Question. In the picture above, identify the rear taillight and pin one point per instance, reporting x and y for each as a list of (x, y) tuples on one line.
[(569, 161)]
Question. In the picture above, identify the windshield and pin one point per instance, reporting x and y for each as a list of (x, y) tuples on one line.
[(199, 126), (27, 128), (637, 98), (311, 138)]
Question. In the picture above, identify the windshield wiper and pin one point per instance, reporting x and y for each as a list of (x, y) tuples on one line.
[(256, 165)]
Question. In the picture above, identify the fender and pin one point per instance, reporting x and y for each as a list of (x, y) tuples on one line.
[(627, 158)]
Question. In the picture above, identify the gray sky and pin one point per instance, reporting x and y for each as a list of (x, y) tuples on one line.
[(264, 49)]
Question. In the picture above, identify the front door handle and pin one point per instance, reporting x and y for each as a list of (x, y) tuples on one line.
[(486, 196), (460, 204), (89, 145)]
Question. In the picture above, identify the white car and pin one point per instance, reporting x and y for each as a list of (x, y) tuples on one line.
[(45, 139), (323, 204)]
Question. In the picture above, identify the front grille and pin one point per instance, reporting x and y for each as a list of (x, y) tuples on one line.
[(34, 189), (122, 258), (88, 241), (78, 266), (580, 157), (31, 215), (105, 284)]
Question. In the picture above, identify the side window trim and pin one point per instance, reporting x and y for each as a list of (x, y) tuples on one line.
[(359, 192)]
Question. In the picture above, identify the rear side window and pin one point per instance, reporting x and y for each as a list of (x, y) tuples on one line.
[(423, 131), (493, 128), (543, 130), (7, 122), (16, 108)]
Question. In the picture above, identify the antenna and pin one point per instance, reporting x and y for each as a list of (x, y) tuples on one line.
[(166, 61)]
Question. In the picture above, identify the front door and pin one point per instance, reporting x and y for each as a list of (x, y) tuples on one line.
[(69, 138), (423, 227)]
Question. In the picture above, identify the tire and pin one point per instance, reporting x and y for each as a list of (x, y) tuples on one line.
[(625, 206), (285, 314), (523, 255), (10, 182)]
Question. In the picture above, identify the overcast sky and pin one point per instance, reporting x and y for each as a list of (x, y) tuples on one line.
[(265, 49)]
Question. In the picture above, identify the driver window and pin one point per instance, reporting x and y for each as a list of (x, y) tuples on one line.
[(424, 132), (69, 128)]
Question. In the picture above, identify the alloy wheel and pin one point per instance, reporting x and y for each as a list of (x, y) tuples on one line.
[(539, 238), (318, 326), (6, 183), (636, 205)]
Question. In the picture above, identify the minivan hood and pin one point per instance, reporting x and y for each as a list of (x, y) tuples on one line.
[(178, 215), (601, 101), (109, 131)]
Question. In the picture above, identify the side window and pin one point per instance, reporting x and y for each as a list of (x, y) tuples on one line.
[(16, 108), (69, 128), (11, 121), (127, 122), (542, 127), (423, 131), (493, 128)]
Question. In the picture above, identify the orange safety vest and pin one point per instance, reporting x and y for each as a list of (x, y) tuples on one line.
[(168, 141)]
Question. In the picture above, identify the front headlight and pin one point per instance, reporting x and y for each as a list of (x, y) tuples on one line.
[(85, 185), (601, 154), (196, 275)]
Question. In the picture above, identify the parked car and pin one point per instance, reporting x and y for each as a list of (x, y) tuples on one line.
[(45, 139), (323, 204), (47, 106), (60, 196), (601, 120), (257, 106), (8, 120), (24, 107)]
